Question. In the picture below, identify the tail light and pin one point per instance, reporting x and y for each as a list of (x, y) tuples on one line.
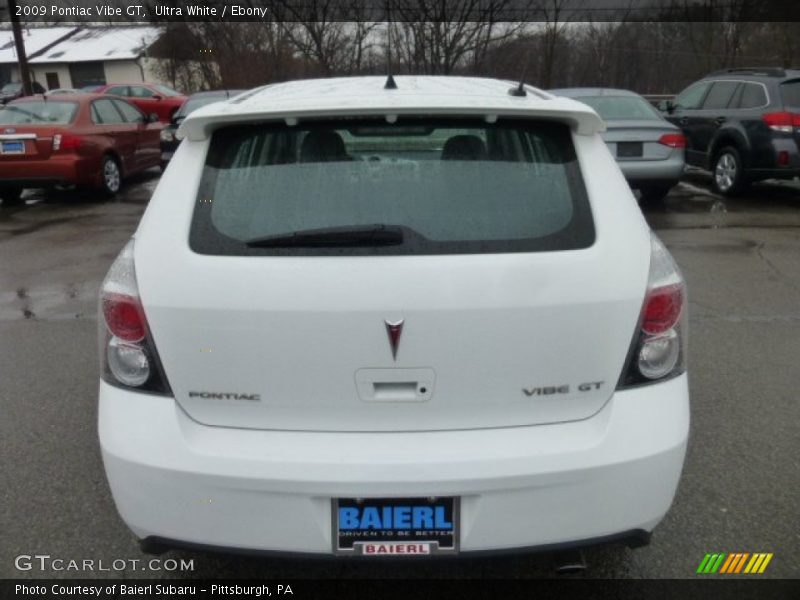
[(128, 354), (673, 140), (658, 349), (785, 122), (66, 142)]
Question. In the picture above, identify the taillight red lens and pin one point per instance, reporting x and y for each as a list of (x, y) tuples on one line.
[(662, 309), (782, 121), (673, 140), (124, 317), (71, 142), (66, 142)]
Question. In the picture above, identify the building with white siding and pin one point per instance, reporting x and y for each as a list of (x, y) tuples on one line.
[(75, 57)]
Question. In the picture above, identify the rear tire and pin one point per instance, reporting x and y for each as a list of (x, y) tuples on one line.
[(727, 172), (654, 195), (11, 196), (110, 177)]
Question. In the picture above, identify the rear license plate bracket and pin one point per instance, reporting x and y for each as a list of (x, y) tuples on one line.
[(395, 526), (629, 149), (13, 147)]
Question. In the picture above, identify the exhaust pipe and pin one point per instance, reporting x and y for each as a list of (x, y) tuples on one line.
[(568, 563)]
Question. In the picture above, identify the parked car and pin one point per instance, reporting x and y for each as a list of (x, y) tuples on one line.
[(741, 124), (80, 139), (169, 143), (648, 149), (149, 97), (365, 319), (58, 91), (12, 91)]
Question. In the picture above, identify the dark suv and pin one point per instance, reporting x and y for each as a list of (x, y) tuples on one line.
[(741, 124)]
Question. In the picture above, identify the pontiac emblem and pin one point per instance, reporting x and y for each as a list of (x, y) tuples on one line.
[(394, 329)]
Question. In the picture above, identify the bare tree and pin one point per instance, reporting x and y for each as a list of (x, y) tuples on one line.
[(443, 36), (320, 36)]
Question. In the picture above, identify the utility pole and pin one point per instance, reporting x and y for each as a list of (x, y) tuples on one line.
[(24, 73)]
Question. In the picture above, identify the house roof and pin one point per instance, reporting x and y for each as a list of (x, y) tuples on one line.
[(36, 39), (101, 43), (366, 96)]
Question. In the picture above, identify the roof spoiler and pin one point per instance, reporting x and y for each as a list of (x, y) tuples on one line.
[(199, 125)]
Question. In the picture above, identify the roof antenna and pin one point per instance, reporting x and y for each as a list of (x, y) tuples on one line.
[(519, 91), (390, 82)]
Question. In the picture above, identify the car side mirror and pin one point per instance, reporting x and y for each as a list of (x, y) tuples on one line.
[(152, 118)]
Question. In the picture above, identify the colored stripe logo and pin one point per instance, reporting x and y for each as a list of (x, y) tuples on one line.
[(734, 563)]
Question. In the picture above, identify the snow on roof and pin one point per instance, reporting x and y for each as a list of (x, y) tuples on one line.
[(35, 39), (101, 43), (366, 96)]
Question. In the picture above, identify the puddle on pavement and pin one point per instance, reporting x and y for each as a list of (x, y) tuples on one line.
[(66, 301)]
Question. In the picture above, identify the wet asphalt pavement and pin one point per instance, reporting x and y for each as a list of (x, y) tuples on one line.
[(740, 490)]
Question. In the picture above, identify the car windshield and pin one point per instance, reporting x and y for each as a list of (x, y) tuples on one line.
[(195, 102), (414, 187), (11, 88), (621, 107), (39, 113), (165, 91)]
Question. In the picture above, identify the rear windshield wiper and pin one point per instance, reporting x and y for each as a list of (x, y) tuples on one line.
[(331, 237)]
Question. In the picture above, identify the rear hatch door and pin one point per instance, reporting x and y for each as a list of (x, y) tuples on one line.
[(503, 306)]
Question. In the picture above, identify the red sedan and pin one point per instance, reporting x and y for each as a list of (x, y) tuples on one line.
[(150, 97), (86, 140)]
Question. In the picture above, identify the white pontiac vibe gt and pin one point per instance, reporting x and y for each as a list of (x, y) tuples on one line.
[(364, 320)]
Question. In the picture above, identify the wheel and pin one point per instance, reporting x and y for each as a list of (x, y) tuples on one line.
[(654, 195), (727, 172), (11, 195), (110, 177)]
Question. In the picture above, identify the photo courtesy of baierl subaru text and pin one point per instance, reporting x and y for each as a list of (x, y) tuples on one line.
[(330, 299)]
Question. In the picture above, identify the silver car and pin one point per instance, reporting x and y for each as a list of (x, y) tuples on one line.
[(648, 149)]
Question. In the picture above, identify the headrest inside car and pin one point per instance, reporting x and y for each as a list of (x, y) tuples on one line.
[(464, 147), (322, 146)]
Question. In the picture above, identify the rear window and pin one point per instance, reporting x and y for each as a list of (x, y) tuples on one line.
[(790, 91), (42, 112), (443, 187), (165, 91), (621, 107)]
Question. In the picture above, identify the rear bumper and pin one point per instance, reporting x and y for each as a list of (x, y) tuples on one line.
[(56, 170), (667, 172), (606, 477)]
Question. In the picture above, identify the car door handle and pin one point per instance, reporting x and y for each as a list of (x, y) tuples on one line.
[(720, 120)]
